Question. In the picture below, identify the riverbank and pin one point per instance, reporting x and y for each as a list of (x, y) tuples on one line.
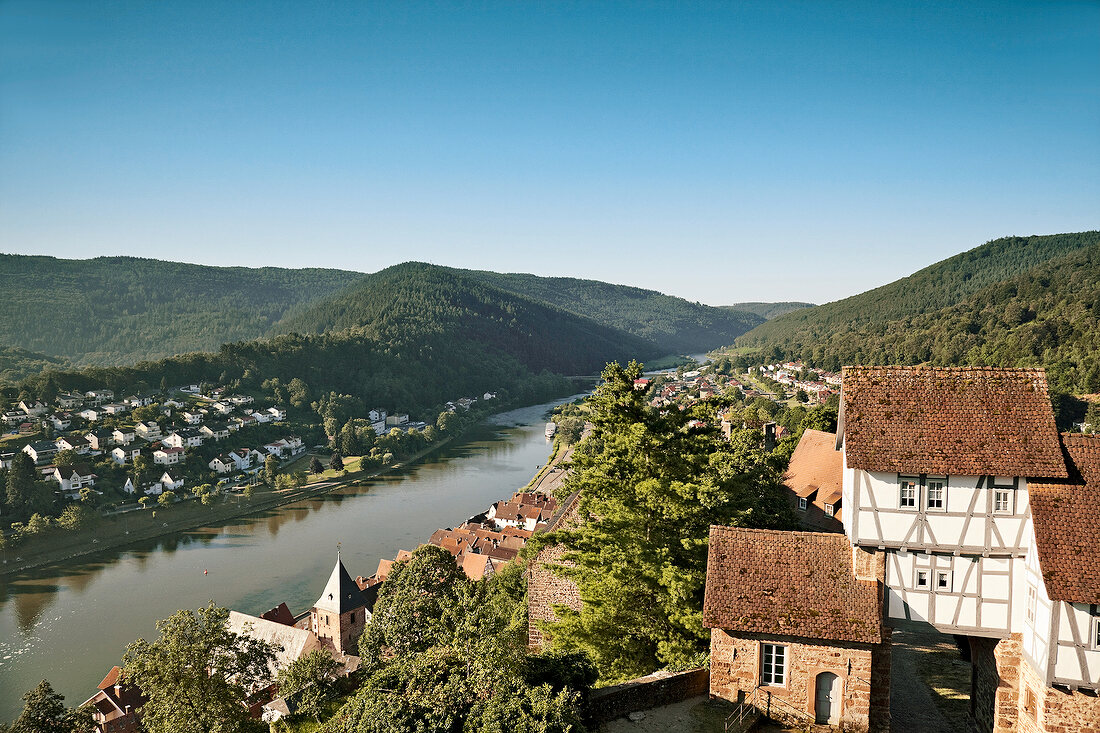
[(116, 531)]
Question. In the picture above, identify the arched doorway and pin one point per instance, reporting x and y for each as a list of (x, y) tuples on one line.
[(827, 699)]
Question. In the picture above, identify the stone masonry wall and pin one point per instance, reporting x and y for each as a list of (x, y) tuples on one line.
[(545, 589), (651, 691), (995, 694), (735, 673), (1055, 710)]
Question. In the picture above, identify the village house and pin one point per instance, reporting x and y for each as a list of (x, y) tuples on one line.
[(74, 443), (184, 438), (214, 431), (241, 399), (262, 417), (168, 456), (6, 460), (115, 408), (59, 421), (68, 401), (91, 414), (41, 451), (796, 627), (72, 479), (223, 464), (979, 520), (170, 483), (148, 430), (222, 408), (192, 418), (99, 396), (99, 440), (139, 401), (815, 481), (33, 408), (125, 454), (123, 435), (115, 705)]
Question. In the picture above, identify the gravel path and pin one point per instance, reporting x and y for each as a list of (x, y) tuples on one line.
[(912, 703)]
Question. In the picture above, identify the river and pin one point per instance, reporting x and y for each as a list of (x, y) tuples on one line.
[(71, 624)]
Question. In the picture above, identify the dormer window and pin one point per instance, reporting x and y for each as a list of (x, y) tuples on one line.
[(936, 493), (802, 503), (830, 510), (908, 488)]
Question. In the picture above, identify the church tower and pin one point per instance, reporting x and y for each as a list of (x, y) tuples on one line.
[(340, 614)]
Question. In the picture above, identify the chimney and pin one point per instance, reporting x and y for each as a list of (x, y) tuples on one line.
[(118, 690)]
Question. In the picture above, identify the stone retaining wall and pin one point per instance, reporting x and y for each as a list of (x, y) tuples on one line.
[(643, 693)]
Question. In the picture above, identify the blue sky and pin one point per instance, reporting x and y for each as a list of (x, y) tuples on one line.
[(716, 151)]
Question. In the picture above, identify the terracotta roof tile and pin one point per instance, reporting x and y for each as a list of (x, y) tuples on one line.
[(1066, 516), (816, 464), (789, 583), (972, 421)]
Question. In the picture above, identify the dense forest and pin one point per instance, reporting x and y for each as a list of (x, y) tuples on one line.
[(16, 363), (1018, 301), (412, 338), (120, 310), (767, 311), (675, 325)]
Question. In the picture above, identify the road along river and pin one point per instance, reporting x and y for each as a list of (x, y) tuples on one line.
[(71, 623)]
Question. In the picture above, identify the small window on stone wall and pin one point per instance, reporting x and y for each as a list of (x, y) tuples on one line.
[(1029, 703)]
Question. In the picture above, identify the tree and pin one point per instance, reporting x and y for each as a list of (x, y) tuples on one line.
[(37, 524), (44, 711), (65, 457), (315, 465), (20, 483), (166, 498), (801, 395), (249, 491), (649, 492), (310, 677), (75, 517), (336, 463), (271, 469), (144, 501), (197, 674)]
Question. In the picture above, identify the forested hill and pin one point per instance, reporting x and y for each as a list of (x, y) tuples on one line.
[(1018, 301), (768, 311), (16, 363), (440, 309), (409, 337), (675, 325), (120, 310)]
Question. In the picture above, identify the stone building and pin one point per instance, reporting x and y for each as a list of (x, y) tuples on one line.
[(341, 612), (545, 588), (796, 627)]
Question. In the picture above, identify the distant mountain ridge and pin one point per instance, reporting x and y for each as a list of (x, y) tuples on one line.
[(1015, 301), (120, 310), (768, 311)]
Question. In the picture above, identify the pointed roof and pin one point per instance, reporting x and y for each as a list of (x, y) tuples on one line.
[(341, 593)]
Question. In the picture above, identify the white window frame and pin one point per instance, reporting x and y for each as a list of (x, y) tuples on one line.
[(1032, 604), (830, 510), (922, 579), (911, 483), (942, 507), (944, 581), (1095, 623), (773, 665), (1009, 495), (802, 503)]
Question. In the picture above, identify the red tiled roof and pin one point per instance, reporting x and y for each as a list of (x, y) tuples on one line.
[(816, 464), (970, 421), (789, 584), (1066, 516)]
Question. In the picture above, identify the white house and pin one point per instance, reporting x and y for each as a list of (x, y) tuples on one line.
[(222, 464), (186, 438), (34, 408), (222, 407), (69, 401), (90, 414), (123, 435), (99, 396), (124, 454), (169, 483), (40, 451), (148, 430), (168, 456), (73, 443), (72, 479), (958, 479), (277, 413), (214, 431), (115, 408), (241, 399), (262, 417), (192, 418)]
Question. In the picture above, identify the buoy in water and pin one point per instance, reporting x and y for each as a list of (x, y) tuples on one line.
[(204, 572)]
